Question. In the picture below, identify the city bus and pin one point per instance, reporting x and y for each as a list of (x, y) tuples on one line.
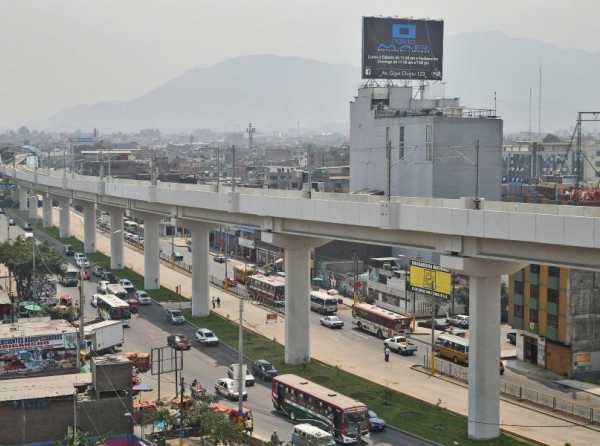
[(117, 290), (303, 400), (267, 289), (456, 349), (112, 308), (323, 302), (380, 322), (241, 273)]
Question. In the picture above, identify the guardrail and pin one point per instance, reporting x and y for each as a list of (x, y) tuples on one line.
[(590, 414)]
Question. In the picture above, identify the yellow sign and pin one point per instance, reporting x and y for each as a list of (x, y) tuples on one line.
[(430, 279)]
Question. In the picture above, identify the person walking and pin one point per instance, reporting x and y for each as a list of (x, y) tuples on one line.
[(249, 425), (218, 302), (213, 302), (386, 353)]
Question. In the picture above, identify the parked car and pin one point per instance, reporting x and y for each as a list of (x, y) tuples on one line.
[(264, 369), (331, 322), (175, 317), (102, 287), (512, 337), (94, 301), (206, 337), (459, 320), (143, 297), (126, 283), (440, 324), (400, 344), (249, 376), (226, 387), (220, 259), (27, 226), (11, 222), (375, 423), (110, 277), (179, 342)]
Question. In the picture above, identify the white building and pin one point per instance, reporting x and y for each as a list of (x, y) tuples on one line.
[(432, 145)]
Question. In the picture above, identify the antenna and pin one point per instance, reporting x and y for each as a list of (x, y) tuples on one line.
[(540, 105), (530, 103)]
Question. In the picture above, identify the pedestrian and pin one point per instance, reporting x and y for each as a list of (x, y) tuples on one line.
[(213, 302), (248, 425), (386, 353), (275, 441), (218, 302)]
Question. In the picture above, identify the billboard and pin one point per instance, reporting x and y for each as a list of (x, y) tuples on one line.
[(430, 279), (395, 48)]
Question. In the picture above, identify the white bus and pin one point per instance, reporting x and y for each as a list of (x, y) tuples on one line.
[(112, 308), (380, 322), (117, 290), (323, 302)]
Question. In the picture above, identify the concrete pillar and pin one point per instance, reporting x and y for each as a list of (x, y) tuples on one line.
[(297, 293), (484, 340), (47, 211), (200, 270), (116, 238), (64, 227), (151, 251), (22, 198), (33, 206), (89, 228)]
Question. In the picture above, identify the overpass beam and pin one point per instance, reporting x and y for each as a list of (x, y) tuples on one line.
[(89, 227), (64, 216), (200, 269), (297, 292), (22, 198), (47, 211), (33, 205), (151, 251), (116, 237), (484, 340)]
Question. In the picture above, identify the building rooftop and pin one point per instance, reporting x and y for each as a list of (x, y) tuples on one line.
[(43, 387), (36, 328)]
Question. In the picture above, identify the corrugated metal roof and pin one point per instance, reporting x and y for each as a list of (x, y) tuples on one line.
[(42, 387)]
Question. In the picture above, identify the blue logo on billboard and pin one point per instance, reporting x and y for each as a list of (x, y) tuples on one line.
[(404, 31)]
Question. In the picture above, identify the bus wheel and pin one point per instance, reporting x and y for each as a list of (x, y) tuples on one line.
[(379, 334)]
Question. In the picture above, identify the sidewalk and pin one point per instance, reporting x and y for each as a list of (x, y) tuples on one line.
[(368, 363)]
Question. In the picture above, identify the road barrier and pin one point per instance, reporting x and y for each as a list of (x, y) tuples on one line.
[(589, 413)]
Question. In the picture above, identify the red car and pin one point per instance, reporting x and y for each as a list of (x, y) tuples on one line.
[(179, 342), (134, 305)]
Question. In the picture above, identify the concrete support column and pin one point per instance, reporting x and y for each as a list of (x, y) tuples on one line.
[(297, 293), (47, 211), (200, 270), (22, 198), (64, 227), (484, 340), (89, 228), (33, 205), (151, 251), (116, 238)]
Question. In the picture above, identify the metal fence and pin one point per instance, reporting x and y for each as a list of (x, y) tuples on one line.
[(591, 414)]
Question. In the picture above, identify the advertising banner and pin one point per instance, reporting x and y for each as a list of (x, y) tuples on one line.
[(430, 279), (394, 48)]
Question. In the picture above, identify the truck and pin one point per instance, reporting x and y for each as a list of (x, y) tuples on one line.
[(400, 344), (104, 336)]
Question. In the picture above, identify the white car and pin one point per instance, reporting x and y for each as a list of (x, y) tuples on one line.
[(227, 388), (206, 337), (331, 322), (125, 283), (249, 376), (94, 301), (81, 260), (144, 298), (102, 287)]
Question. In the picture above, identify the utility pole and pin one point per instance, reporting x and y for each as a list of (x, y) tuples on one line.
[(181, 389), (233, 168), (433, 311), (579, 157), (308, 168), (241, 377), (74, 416), (218, 168), (477, 202), (540, 106), (81, 318), (388, 163), (355, 267)]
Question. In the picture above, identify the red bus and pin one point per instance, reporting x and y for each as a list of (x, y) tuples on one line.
[(379, 321), (267, 289)]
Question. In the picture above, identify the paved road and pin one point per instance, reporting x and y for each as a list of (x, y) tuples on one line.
[(150, 329)]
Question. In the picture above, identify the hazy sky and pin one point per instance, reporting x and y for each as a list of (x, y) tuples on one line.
[(59, 53)]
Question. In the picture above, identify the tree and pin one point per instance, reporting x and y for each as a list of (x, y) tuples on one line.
[(18, 257), (77, 437), (212, 426)]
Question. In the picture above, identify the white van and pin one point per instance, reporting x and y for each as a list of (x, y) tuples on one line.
[(309, 435)]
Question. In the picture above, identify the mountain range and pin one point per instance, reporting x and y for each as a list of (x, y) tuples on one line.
[(277, 93)]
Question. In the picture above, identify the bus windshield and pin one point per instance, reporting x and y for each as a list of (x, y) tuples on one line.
[(356, 420)]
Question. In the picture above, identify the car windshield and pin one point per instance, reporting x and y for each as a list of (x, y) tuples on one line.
[(267, 366), (209, 334), (176, 313), (143, 294)]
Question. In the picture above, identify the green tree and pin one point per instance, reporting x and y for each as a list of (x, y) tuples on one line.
[(77, 437), (18, 257), (213, 427)]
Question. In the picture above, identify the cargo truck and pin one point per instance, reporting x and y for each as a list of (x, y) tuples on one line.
[(103, 337)]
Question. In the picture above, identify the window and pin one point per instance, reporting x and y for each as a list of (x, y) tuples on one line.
[(535, 269), (519, 287), (533, 315), (534, 291), (552, 320), (553, 271), (518, 311), (552, 296), (428, 144), (401, 143)]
